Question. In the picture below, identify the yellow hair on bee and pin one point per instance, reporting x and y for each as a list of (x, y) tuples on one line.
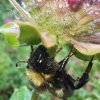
[(59, 93), (36, 77)]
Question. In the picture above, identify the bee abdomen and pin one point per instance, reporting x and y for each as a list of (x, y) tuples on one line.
[(35, 77)]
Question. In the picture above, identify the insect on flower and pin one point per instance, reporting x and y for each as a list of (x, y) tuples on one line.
[(45, 73)]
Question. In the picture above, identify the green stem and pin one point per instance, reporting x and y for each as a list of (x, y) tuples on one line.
[(35, 95)]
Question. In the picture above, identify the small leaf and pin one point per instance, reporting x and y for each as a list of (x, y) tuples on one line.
[(85, 20), (49, 40), (21, 94), (82, 56), (29, 34), (17, 33), (11, 31), (80, 13), (86, 48)]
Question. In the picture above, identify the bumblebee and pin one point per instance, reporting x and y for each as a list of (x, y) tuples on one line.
[(45, 73)]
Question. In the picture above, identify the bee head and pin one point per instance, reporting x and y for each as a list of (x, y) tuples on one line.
[(38, 60)]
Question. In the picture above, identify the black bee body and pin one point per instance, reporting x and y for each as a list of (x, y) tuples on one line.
[(60, 86), (44, 71), (41, 66), (40, 61)]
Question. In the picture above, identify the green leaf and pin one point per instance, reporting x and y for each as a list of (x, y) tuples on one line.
[(17, 33), (29, 34), (88, 49), (81, 56), (98, 56), (21, 94), (49, 40), (82, 50), (11, 32)]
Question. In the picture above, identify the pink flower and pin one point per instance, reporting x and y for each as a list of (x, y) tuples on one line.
[(75, 5), (72, 2), (8, 20)]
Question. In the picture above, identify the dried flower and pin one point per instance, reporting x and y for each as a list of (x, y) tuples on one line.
[(77, 21)]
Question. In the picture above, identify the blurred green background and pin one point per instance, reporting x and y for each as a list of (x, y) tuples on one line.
[(12, 77)]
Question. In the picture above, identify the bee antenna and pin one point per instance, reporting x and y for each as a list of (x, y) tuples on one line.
[(19, 62)]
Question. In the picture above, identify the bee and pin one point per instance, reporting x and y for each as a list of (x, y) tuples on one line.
[(45, 73)]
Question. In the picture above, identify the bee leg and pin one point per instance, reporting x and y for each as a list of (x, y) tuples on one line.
[(85, 77), (57, 51), (63, 62), (70, 81), (80, 82)]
